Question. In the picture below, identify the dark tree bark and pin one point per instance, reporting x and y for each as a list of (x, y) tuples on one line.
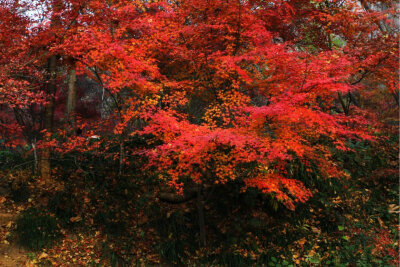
[(45, 166), (71, 99), (200, 210)]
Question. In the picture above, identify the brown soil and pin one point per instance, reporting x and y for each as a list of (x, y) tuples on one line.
[(11, 255)]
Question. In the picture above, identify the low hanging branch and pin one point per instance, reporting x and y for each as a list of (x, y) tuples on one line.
[(173, 198)]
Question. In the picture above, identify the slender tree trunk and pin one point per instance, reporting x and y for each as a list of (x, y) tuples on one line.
[(344, 106), (35, 156), (45, 166), (71, 99), (200, 210), (396, 98), (121, 157)]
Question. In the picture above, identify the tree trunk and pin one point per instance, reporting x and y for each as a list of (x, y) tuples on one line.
[(344, 106), (71, 99), (396, 98), (35, 156), (45, 166), (121, 157), (200, 210)]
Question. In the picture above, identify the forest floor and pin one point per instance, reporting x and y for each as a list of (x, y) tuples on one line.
[(11, 254)]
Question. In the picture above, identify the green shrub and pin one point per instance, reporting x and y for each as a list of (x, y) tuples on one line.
[(36, 229)]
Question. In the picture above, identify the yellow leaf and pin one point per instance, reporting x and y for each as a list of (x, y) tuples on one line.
[(75, 219), (43, 255)]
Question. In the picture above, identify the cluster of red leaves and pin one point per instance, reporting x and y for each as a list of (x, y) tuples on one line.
[(383, 244)]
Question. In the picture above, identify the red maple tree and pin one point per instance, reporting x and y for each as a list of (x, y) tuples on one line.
[(222, 90)]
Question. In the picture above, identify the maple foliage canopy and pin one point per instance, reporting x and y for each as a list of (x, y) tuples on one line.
[(221, 89)]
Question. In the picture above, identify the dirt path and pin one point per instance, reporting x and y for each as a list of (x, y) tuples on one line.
[(11, 255)]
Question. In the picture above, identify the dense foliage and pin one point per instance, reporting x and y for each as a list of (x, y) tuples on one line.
[(158, 123)]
